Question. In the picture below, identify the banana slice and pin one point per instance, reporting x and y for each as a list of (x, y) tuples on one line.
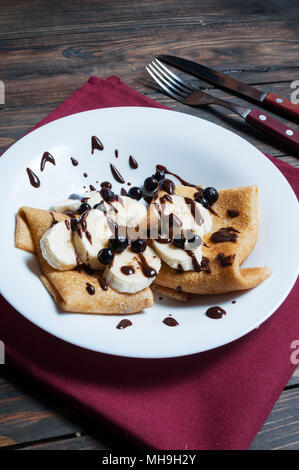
[(208, 220), (67, 205), (129, 270), (57, 247), (177, 257), (124, 211), (91, 235), (184, 215), (187, 212)]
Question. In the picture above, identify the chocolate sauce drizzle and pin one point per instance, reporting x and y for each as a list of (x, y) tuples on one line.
[(196, 265), (96, 144), (54, 221), (147, 270), (215, 312), (194, 210), (116, 174), (124, 324), (34, 180), (133, 163), (170, 321), (168, 186), (47, 157), (205, 265), (225, 234), (165, 198), (103, 283), (225, 260), (84, 226), (90, 289), (163, 240), (127, 270), (167, 172), (232, 213), (106, 184), (68, 224), (74, 161)]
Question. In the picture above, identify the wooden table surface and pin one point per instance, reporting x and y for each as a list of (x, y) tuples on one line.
[(49, 48)]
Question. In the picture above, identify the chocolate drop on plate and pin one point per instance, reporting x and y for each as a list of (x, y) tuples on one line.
[(34, 180), (124, 324), (47, 157), (133, 163), (85, 175), (96, 144), (215, 312), (169, 321), (116, 153), (116, 174), (74, 161)]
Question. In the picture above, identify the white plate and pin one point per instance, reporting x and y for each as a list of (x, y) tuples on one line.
[(201, 152)]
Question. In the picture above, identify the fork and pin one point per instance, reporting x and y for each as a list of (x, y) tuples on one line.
[(187, 94)]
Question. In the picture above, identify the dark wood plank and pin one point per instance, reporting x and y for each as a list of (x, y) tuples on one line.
[(31, 417), (281, 430), (47, 94), (29, 413), (31, 18), (294, 380)]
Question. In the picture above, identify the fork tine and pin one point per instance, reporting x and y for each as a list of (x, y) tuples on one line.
[(168, 84), (179, 82), (169, 92)]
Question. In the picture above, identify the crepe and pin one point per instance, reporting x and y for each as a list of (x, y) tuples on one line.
[(223, 276), (171, 293), (68, 288)]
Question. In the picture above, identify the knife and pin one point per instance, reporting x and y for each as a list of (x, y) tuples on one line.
[(278, 104)]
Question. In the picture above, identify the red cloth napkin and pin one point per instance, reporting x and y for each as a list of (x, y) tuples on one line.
[(213, 400)]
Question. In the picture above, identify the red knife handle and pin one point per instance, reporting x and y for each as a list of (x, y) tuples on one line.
[(282, 105), (274, 127)]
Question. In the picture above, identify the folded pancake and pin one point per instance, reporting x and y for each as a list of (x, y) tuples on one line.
[(237, 216), (69, 288), (170, 293)]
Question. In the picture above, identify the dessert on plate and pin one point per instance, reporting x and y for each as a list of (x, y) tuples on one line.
[(107, 253)]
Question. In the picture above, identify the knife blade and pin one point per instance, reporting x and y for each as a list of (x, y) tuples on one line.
[(279, 104)]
